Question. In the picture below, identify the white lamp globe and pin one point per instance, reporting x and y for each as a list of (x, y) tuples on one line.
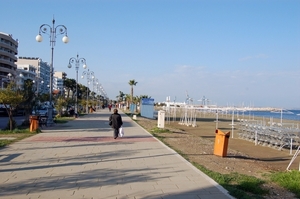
[(84, 66), (69, 66), (39, 38), (65, 39)]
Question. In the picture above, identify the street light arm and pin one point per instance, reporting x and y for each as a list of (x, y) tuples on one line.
[(76, 60), (44, 29), (62, 29), (72, 60), (83, 74), (92, 74), (82, 60)]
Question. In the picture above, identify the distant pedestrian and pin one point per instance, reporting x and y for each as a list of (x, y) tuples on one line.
[(109, 107), (115, 121)]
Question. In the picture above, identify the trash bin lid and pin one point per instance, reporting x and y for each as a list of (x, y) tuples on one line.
[(219, 132)]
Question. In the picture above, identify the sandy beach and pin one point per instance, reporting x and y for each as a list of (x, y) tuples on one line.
[(239, 147)]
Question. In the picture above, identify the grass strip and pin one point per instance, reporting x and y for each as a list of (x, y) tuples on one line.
[(288, 179), (62, 120), (18, 134), (238, 185)]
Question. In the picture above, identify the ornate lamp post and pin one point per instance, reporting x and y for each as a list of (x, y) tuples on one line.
[(89, 74), (77, 61), (52, 31)]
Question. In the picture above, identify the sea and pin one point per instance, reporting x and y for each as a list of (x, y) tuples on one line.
[(286, 114)]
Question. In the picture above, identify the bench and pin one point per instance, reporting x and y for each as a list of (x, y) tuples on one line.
[(42, 121)]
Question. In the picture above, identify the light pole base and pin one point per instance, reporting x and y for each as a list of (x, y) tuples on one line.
[(50, 116)]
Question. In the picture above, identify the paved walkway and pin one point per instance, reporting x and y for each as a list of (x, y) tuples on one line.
[(80, 159)]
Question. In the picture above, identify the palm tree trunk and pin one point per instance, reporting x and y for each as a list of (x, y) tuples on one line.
[(131, 93)]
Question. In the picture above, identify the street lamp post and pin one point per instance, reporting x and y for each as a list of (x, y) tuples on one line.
[(77, 61), (87, 73), (52, 31)]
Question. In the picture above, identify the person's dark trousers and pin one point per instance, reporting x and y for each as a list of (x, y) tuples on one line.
[(116, 132)]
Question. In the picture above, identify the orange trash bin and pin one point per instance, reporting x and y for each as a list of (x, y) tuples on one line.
[(221, 143), (34, 123)]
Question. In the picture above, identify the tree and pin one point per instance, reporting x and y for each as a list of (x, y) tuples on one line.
[(132, 83), (44, 97), (10, 98), (70, 85), (145, 96), (120, 97), (127, 99), (60, 104), (29, 98), (136, 101), (83, 91)]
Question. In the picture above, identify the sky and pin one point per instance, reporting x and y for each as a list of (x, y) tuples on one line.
[(231, 52)]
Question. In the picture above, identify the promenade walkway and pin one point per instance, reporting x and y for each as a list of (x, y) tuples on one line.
[(80, 159)]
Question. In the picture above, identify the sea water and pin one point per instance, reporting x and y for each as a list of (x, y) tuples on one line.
[(290, 115)]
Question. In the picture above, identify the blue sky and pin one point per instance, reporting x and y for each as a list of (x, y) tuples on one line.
[(233, 52)]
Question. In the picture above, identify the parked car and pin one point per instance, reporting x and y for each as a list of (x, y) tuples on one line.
[(3, 110), (43, 111), (20, 111)]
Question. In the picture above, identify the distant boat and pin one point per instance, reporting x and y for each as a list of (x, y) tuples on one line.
[(282, 111)]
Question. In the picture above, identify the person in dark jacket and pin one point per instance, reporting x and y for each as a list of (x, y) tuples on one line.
[(116, 122)]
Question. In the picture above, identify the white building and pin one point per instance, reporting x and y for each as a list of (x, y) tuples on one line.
[(58, 81), (25, 72), (42, 71)]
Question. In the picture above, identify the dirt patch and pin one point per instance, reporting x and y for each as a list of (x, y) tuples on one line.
[(243, 157)]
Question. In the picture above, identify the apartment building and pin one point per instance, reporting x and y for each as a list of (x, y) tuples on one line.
[(58, 81), (8, 57), (25, 72), (42, 78)]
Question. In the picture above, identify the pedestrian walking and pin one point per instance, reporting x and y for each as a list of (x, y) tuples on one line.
[(109, 107), (115, 121)]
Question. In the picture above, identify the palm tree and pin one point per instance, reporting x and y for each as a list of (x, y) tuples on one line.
[(136, 101), (127, 99), (120, 97), (145, 96), (132, 83)]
